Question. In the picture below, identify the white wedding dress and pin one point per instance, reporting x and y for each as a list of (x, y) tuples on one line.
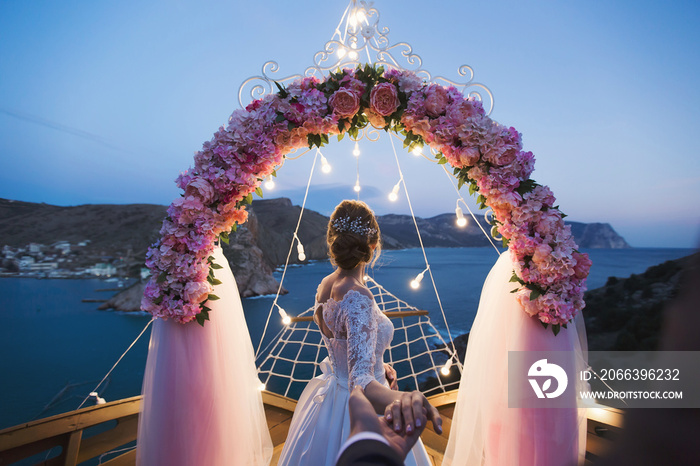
[(321, 421)]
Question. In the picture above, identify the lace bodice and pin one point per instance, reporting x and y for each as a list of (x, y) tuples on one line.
[(361, 334)]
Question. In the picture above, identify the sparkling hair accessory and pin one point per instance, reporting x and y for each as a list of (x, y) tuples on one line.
[(344, 224)]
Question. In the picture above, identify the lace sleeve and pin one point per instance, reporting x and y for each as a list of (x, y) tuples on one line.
[(361, 328)]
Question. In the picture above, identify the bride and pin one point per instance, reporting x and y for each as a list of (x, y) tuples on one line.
[(356, 335)]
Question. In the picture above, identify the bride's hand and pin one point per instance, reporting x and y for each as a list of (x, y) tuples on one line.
[(390, 375), (410, 411)]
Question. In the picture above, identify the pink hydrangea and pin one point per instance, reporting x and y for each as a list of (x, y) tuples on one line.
[(230, 166)]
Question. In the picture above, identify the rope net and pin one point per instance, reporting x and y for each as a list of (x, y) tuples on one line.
[(417, 351)]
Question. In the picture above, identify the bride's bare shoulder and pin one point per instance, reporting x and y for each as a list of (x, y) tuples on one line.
[(335, 287), (346, 285)]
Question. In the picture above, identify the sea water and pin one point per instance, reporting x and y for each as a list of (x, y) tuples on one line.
[(55, 349)]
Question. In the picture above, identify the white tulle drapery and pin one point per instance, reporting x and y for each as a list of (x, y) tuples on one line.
[(201, 402), (485, 431)]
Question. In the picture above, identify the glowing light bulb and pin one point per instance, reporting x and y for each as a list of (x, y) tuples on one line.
[(353, 19), (269, 182), (357, 187), (356, 150), (394, 194), (300, 251), (446, 368), (366, 278), (353, 55), (262, 386), (461, 221), (342, 52), (360, 16), (416, 151), (415, 283), (325, 166), (286, 320)]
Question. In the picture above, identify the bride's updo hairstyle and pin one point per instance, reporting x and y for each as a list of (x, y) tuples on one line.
[(352, 231)]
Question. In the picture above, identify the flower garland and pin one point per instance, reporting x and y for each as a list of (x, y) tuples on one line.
[(550, 271)]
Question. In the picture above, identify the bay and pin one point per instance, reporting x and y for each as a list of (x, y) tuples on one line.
[(55, 348)]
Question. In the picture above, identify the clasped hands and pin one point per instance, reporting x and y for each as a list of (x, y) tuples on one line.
[(403, 422)]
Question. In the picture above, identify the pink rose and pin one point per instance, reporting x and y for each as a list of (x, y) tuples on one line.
[(201, 188), (461, 110), (375, 119), (344, 103), (384, 99), (583, 265), (196, 292), (436, 100)]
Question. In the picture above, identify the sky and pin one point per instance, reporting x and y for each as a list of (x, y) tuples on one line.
[(106, 102)]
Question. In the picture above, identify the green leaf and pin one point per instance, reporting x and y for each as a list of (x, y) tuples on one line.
[(216, 282), (161, 278), (543, 324), (224, 237), (473, 188), (158, 300), (535, 294), (442, 161), (555, 329), (460, 183), (515, 290), (248, 199), (200, 319), (283, 92), (341, 135), (526, 186), (515, 278), (259, 191), (212, 297), (216, 266)]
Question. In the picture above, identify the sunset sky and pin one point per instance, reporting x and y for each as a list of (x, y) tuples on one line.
[(106, 102)]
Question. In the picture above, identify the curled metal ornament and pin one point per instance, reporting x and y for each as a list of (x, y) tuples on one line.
[(489, 217), (360, 39)]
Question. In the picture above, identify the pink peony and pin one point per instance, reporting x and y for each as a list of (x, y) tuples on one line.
[(201, 188), (344, 103), (375, 119), (583, 265), (384, 99), (436, 100)]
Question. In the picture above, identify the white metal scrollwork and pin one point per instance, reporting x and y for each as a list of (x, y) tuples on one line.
[(359, 39)]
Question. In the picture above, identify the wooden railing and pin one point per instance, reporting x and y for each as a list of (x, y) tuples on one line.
[(60, 440), (72, 438)]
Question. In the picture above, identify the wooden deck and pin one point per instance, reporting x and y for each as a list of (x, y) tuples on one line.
[(77, 436)]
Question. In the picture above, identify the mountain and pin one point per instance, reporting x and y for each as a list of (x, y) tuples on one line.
[(121, 234)]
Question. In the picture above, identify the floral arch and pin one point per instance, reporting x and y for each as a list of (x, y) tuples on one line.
[(550, 273)]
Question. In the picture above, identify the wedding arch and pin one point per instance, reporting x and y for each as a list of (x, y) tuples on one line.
[(340, 96)]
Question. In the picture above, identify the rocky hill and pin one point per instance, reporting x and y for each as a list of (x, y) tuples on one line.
[(124, 232), (627, 313)]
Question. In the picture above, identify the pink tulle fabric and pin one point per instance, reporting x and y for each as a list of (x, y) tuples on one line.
[(485, 431), (201, 402)]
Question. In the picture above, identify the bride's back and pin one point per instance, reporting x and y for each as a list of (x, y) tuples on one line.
[(335, 287)]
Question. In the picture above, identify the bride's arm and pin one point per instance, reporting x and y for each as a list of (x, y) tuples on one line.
[(401, 408)]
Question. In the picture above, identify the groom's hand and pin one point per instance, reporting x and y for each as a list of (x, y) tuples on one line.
[(363, 418)]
